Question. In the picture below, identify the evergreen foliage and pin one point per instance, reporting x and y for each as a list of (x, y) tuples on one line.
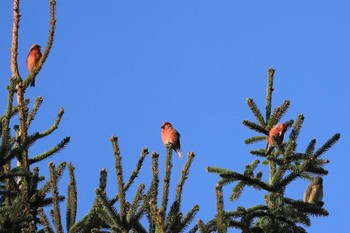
[(128, 217), (279, 213), (23, 191), (30, 202)]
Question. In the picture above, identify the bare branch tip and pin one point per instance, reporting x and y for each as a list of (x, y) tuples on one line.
[(60, 112), (113, 138), (51, 165), (192, 154)]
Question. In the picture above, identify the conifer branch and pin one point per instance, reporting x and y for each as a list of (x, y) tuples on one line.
[(23, 114), (260, 153), (157, 218), (269, 91), (54, 126), (38, 101), (119, 173), (153, 192), (201, 227), (211, 226), (289, 150), (230, 176), (72, 198), (86, 223), (184, 175), (173, 219), (287, 180), (20, 203), (254, 139), (255, 127), (326, 146), (220, 209), (278, 114), (44, 202), (138, 228), (58, 174), (134, 173), (14, 48), (5, 135), (45, 221), (109, 213), (50, 152), (310, 208), (168, 166), (296, 128), (13, 174), (317, 170), (237, 191), (103, 180), (107, 219), (155, 178), (55, 212), (189, 217), (254, 108), (141, 210), (5, 120), (135, 203), (310, 148), (249, 169), (48, 47)]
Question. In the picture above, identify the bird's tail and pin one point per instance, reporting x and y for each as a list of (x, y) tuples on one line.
[(178, 151), (269, 149)]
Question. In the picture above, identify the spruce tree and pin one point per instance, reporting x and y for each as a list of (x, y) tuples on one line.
[(285, 163), (24, 202), (117, 214), (26, 197), (24, 193)]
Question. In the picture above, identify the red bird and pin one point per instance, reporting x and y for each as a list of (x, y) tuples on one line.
[(33, 58), (278, 132), (171, 136)]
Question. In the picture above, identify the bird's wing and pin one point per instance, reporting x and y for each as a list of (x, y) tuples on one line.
[(307, 193), (178, 138), (169, 136), (318, 193)]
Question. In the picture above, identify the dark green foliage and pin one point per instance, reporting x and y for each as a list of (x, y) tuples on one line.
[(120, 215), (26, 196), (286, 165), (23, 191)]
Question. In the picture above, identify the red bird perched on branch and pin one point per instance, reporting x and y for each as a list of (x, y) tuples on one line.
[(33, 58), (278, 132), (171, 136)]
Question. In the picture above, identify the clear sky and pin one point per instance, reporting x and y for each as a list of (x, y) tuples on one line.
[(124, 67)]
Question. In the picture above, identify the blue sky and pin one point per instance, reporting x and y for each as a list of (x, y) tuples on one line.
[(124, 67)]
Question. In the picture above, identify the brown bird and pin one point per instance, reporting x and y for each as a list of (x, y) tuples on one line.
[(278, 132), (314, 192), (171, 136), (33, 58)]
